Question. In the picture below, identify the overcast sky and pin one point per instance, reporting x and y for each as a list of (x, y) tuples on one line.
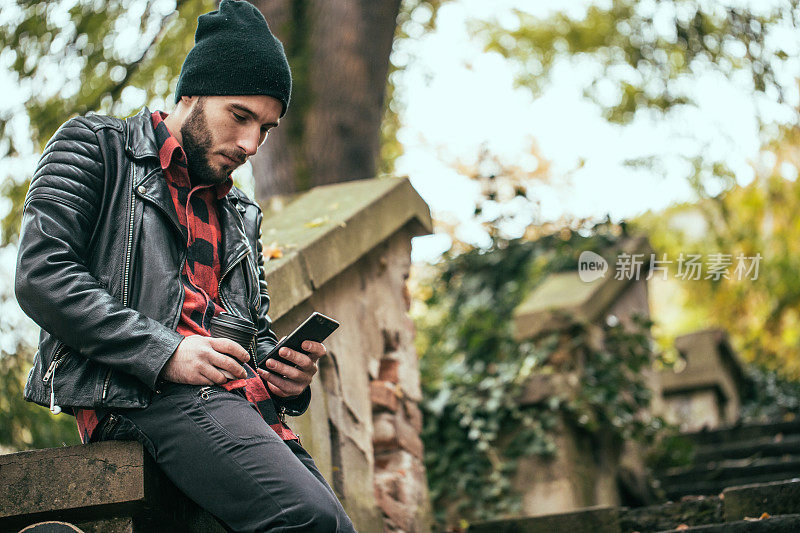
[(459, 97)]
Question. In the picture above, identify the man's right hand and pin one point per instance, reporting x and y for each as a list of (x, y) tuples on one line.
[(199, 359)]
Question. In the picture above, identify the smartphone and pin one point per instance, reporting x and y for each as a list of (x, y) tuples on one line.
[(316, 328)]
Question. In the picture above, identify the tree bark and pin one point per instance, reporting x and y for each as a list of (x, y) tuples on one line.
[(339, 54)]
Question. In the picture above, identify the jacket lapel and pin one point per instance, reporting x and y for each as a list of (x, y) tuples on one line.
[(234, 239)]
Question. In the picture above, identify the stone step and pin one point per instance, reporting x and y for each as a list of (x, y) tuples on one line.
[(701, 510), (588, 520), (777, 498), (744, 432), (711, 488), (711, 478), (773, 524), (770, 446), (738, 510)]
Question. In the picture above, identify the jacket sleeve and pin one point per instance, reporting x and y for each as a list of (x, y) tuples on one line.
[(52, 282), (292, 405)]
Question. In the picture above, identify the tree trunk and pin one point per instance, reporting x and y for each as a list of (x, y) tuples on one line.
[(339, 54)]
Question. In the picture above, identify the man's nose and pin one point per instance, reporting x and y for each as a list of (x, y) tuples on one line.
[(248, 143)]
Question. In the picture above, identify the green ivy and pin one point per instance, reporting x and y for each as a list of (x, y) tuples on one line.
[(474, 372)]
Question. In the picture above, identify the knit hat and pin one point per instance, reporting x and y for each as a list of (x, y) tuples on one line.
[(235, 53)]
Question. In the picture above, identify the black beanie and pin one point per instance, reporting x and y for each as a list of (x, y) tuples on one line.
[(235, 54)]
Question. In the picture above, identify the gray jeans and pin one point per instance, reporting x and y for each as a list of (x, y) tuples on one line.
[(216, 448)]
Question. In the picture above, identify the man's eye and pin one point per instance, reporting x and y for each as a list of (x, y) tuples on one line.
[(239, 118)]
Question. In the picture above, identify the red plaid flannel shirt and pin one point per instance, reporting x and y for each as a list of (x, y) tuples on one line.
[(198, 214)]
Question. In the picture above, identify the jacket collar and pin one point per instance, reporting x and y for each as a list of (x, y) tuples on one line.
[(141, 138), (141, 145)]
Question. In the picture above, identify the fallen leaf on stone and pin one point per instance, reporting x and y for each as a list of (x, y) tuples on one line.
[(764, 516), (273, 251), (682, 526), (316, 222)]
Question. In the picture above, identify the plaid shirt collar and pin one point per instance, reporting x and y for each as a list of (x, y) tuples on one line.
[(170, 152)]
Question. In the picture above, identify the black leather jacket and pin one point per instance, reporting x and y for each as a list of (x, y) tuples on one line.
[(100, 256)]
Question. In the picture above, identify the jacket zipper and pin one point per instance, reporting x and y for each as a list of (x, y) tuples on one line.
[(222, 277), (225, 304), (254, 270), (57, 359), (126, 274), (50, 376), (205, 392)]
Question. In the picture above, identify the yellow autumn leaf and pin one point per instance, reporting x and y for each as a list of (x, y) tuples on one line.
[(273, 251), (316, 222)]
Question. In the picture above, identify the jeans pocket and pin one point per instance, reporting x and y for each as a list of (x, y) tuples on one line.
[(119, 427), (233, 414)]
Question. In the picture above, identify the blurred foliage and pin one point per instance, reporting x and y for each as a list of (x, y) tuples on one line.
[(71, 57), (762, 315), (643, 53), (473, 371), (769, 396), (22, 424), (416, 18)]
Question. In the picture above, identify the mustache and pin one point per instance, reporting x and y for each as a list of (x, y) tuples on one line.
[(238, 158)]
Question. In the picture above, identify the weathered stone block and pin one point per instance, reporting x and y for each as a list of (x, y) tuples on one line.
[(413, 414), (400, 515), (408, 437), (590, 520), (383, 395), (75, 477), (781, 497), (384, 432), (389, 370), (105, 486)]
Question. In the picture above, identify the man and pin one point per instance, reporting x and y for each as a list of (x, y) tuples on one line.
[(133, 238)]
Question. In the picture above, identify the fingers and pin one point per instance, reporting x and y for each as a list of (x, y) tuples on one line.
[(315, 350), (291, 372), (205, 379), (229, 347), (280, 386), (224, 362)]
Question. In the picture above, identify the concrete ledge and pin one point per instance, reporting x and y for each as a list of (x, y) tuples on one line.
[(325, 230), (103, 483)]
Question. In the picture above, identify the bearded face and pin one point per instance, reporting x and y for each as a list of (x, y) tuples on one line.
[(198, 143)]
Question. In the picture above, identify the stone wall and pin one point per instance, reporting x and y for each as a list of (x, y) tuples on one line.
[(351, 262), (364, 421)]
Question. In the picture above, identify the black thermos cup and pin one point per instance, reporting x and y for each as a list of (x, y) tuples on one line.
[(237, 329)]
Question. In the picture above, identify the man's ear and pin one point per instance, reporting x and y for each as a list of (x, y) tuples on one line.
[(186, 102)]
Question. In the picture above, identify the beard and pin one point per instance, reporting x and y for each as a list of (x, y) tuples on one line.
[(197, 143)]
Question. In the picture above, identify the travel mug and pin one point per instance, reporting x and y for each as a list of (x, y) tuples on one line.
[(238, 329)]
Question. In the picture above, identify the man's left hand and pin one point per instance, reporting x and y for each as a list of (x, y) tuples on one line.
[(285, 380)]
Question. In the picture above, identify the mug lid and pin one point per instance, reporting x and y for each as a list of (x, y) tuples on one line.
[(233, 321)]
